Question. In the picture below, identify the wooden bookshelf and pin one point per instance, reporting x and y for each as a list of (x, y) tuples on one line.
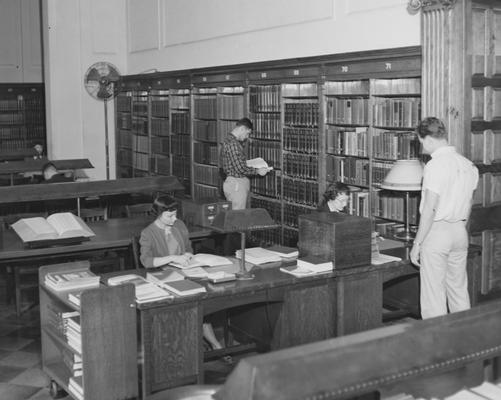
[(313, 122), (107, 324), (22, 117)]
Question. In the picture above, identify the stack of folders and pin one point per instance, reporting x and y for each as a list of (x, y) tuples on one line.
[(259, 255), (72, 279), (284, 251), (309, 265), (145, 291), (75, 386)]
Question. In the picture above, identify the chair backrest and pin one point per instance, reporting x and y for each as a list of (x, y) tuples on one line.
[(136, 210), (136, 252), (94, 214)]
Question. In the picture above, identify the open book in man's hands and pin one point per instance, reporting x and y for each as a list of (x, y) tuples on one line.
[(56, 226), (203, 260), (258, 163)]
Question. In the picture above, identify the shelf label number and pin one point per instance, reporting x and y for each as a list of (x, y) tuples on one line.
[(295, 72), (344, 68), (263, 75), (387, 66)]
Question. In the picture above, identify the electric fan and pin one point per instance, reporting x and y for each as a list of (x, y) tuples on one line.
[(100, 82)]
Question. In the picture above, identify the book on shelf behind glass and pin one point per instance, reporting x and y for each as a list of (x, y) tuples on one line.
[(56, 226)]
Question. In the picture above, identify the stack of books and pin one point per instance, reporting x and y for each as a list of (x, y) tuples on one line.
[(284, 251), (75, 386), (145, 291), (309, 265), (259, 255), (73, 362), (71, 279), (184, 287), (74, 334)]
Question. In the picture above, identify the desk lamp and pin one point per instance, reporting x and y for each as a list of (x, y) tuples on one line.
[(243, 221), (405, 176)]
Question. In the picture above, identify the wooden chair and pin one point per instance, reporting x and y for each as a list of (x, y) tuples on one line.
[(22, 276), (136, 252), (137, 210)]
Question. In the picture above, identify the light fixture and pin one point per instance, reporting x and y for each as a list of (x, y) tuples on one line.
[(243, 221), (405, 176)]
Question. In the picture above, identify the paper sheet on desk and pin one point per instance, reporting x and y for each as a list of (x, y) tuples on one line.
[(383, 258)]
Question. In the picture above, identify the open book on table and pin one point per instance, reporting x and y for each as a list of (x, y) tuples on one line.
[(203, 260), (258, 163), (56, 226)]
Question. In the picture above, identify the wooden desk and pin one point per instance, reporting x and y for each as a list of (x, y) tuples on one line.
[(113, 234), (19, 167), (312, 309)]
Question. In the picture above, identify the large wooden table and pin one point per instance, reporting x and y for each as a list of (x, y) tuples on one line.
[(114, 234)]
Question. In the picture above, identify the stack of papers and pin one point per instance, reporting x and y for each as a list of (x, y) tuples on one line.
[(284, 251), (258, 163), (383, 258), (72, 279), (203, 260), (145, 291), (258, 255)]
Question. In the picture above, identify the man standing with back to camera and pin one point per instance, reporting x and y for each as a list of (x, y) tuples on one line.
[(441, 244), (236, 186)]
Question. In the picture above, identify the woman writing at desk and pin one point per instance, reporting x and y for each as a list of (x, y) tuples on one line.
[(166, 240), (335, 198)]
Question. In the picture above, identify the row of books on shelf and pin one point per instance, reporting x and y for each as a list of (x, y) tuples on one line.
[(347, 88), (231, 106), (353, 111), (14, 132), (160, 164), (160, 108), (301, 114), (75, 387), (11, 118), (300, 191), (395, 86), (124, 139), (397, 112), (205, 130), (181, 165), (270, 151), (205, 107), (353, 171), (140, 143), (359, 202), (268, 185), (392, 206), (303, 140), (303, 166), (206, 174), (180, 144), (379, 171), (395, 145), (201, 191), (124, 121), (347, 141), (180, 102), (124, 103), (160, 144), (265, 98), (180, 122), (139, 125), (266, 126), (12, 104), (299, 89), (291, 212), (271, 205), (140, 161), (205, 153), (159, 126)]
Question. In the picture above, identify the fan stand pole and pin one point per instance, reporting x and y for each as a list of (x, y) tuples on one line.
[(106, 144)]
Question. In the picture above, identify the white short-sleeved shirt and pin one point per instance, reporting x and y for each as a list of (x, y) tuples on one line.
[(454, 178)]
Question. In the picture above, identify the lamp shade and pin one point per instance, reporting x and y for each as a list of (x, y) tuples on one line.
[(249, 219), (405, 175)]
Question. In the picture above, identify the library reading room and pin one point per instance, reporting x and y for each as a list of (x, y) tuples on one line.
[(244, 200)]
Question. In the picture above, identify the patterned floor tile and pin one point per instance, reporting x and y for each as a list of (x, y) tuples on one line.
[(7, 373), (21, 359), (13, 343), (32, 377), (9, 391)]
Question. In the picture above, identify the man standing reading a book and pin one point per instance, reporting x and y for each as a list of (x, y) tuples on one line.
[(236, 186)]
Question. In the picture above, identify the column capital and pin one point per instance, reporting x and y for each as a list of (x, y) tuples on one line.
[(413, 6)]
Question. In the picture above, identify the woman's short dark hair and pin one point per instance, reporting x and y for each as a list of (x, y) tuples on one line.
[(164, 203), (334, 190), (48, 165), (245, 122)]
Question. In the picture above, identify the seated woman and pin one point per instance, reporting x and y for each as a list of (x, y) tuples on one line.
[(335, 198), (51, 175), (166, 240)]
